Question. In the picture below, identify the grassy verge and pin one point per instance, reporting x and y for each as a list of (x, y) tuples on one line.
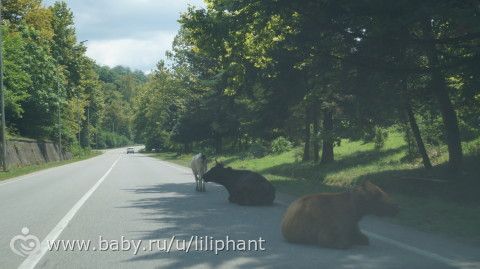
[(20, 171), (434, 201)]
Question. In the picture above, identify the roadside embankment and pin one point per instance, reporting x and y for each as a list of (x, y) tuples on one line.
[(26, 152)]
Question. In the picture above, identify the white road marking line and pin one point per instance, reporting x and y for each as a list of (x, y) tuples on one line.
[(20, 179), (41, 172), (404, 246), (415, 250), (31, 261)]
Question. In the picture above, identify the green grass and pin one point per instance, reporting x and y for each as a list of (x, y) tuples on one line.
[(435, 201), (20, 171)]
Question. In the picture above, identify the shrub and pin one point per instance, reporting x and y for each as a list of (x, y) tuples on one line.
[(281, 144), (473, 148), (431, 131), (381, 136), (257, 150), (78, 151)]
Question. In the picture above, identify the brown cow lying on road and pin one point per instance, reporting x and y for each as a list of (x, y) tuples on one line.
[(331, 219)]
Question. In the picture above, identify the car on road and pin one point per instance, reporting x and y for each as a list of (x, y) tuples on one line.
[(130, 150)]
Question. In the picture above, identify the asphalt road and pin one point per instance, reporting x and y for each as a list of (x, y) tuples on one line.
[(149, 201)]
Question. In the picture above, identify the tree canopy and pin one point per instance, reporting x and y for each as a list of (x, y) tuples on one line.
[(247, 72), (52, 88)]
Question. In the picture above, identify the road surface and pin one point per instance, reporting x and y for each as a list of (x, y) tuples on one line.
[(134, 197)]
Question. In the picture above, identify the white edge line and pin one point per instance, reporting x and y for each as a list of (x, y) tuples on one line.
[(404, 246), (40, 172), (415, 250), (384, 239), (31, 261)]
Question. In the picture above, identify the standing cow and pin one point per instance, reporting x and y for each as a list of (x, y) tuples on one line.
[(245, 187), (199, 168)]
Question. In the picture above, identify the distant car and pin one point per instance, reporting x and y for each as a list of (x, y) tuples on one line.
[(130, 150)]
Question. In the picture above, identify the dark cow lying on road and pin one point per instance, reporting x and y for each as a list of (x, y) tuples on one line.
[(331, 219), (245, 187)]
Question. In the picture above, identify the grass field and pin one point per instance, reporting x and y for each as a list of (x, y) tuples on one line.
[(20, 171), (435, 200)]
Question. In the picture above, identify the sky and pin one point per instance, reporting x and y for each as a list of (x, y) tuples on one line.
[(133, 33)]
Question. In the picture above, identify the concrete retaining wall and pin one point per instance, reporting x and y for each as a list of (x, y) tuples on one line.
[(24, 152)]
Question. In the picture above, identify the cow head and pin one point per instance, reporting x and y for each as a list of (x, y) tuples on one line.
[(217, 174), (372, 200)]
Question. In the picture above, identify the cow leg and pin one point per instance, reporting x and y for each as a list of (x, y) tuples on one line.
[(196, 183)]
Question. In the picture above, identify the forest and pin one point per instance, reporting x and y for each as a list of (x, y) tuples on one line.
[(257, 77), (53, 91), (264, 76)]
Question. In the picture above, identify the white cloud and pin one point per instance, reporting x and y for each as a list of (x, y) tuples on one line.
[(133, 33), (142, 54)]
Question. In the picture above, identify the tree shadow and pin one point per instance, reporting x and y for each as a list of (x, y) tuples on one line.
[(439, 182), (176, 209)]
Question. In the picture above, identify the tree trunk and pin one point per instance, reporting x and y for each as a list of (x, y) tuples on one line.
[(235, 142), (449, 115), (327, 149), (418, 137), (316, 147), (218, 144), (306, 150)]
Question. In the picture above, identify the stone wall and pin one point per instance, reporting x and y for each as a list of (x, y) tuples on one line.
[(24, 152)]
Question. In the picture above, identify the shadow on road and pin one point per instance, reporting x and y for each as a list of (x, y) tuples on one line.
[(178, 210)]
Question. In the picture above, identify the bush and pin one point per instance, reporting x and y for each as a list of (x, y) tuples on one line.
[(78, 151), (281, 144), (257, 150), (473, 148), (431, 131), (381, 136)]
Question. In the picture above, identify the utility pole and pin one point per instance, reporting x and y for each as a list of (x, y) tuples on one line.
[(79, 127), (88, 125), (59, 117), (2, 100)]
